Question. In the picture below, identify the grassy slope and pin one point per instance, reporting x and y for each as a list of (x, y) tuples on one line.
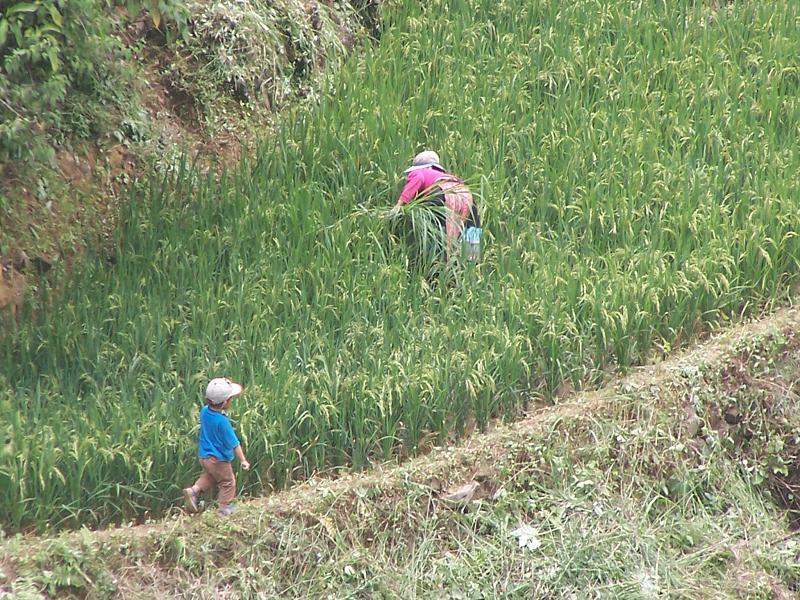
[(639, 490)]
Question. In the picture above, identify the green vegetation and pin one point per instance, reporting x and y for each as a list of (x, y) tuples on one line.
[(60, 61), (634, 493), (84, 82), (635, 166), (55, 76)]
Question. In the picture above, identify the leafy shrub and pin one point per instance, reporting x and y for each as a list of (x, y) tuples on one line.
[(169, 12), (54, 78), (60, 72)]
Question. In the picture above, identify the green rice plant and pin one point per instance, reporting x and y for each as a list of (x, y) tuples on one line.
[(633, 167), (421, 229)]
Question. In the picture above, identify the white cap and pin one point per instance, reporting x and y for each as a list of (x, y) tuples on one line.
[(426, 158), (221, 389)]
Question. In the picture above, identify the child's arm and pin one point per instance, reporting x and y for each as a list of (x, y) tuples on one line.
[(240, 455)]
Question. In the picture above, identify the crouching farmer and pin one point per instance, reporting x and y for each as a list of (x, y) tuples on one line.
[(217, 445)]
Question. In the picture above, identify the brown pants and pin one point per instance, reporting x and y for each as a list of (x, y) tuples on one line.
[(219, 473)]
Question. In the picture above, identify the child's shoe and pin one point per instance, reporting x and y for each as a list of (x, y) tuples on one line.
[(190, 496), (225, 510)]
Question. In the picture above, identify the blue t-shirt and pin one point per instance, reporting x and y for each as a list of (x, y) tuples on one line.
[(217, 437)]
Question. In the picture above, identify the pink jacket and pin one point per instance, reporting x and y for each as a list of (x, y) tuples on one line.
[(457, 197), (419, 180)]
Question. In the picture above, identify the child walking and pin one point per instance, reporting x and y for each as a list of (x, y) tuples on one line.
[(216, 447)]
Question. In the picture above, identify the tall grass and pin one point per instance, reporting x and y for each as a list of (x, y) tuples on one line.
[(642, 161)]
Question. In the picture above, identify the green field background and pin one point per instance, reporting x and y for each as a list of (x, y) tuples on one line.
[(636, 165)]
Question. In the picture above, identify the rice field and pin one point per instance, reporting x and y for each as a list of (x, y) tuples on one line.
[(636, 168)]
